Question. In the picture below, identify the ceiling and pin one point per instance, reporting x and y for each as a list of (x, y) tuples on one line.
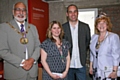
[(52, 0)]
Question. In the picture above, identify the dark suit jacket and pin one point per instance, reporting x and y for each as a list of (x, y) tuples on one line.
[(83, 39)]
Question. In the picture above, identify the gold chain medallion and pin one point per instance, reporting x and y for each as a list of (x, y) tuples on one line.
[(23, 40)]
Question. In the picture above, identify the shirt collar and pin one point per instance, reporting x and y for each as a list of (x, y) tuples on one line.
[(76, 25), (20, 23)]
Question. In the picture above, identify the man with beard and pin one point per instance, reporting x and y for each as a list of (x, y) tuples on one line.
[(19, 46)]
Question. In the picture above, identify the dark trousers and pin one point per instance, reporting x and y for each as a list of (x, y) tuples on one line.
[(77, 73)]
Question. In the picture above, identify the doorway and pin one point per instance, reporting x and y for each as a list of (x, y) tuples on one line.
[(88, 16)]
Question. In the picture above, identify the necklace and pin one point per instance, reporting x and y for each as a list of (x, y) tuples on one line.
[(99, 42), (23, 40), (61, 53)]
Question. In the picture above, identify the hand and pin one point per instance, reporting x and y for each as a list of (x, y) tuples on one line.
[(91, 70), (54, 76), (113, 75), (64, 74), (28, 64)]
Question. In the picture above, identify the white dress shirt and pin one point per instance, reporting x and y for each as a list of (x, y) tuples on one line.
[(75, 60), (26, 51)]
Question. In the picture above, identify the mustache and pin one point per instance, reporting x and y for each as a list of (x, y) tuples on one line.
[(20, 15)]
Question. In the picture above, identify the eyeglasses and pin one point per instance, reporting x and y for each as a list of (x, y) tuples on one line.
[(18, 9)]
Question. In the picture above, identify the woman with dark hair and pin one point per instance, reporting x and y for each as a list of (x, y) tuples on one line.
[(104, 50), (55, 56)]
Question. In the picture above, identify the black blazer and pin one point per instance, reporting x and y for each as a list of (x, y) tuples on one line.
[(83, 39)]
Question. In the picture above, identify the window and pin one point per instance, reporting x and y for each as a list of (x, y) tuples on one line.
[(88, 16)]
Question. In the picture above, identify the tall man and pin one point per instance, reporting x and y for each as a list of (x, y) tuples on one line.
[(19, 46), (78, 34)]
